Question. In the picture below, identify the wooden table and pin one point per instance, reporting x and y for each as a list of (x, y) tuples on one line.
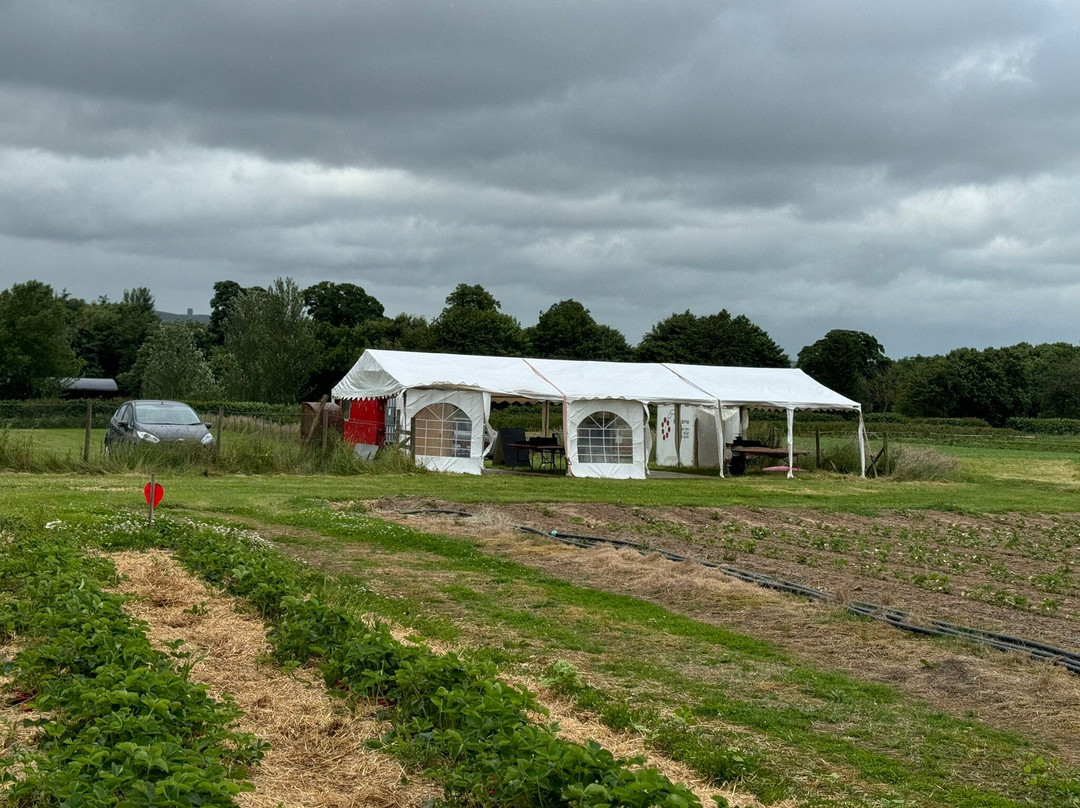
[(549, 453), (744, 453)]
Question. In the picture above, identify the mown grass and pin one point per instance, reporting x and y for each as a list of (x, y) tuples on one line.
[(811, 735)]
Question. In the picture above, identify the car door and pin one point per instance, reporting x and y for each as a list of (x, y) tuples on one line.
[(117, 424)]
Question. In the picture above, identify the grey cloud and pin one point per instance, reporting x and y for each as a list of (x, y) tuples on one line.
[(908, 169)]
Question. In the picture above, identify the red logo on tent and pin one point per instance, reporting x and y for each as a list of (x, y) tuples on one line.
[(159, 492), (665, 428)]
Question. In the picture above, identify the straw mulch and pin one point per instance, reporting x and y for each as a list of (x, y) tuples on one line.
[(317, 757), (580, 727), (13, 712)]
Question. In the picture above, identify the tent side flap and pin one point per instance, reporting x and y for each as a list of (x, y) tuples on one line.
[(606, 439), (448, 428)]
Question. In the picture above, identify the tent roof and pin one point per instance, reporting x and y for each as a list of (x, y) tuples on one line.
[(764, 387), (378, 374), (647, 383)]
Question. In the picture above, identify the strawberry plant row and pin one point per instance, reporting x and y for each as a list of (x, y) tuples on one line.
[(453, 716), (121, 725)]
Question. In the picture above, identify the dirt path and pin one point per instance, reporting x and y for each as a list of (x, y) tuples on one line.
[(317, 757), (1005, 690)]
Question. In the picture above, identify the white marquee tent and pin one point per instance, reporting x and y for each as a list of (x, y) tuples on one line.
[(447, 402)]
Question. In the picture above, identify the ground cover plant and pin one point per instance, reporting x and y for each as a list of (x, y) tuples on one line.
[(121, 724), (470, 729)]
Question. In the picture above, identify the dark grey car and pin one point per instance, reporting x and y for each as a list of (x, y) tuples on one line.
[(148, 421)]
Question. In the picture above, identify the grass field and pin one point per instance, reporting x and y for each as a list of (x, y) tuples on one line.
[(785, 702)]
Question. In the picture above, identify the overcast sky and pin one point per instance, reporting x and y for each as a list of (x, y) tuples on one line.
[(910, 169)]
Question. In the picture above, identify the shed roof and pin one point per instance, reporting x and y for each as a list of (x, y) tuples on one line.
[(90, 385)]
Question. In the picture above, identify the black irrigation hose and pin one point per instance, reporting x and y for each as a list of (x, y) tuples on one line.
[(897, 618), (444, 511)]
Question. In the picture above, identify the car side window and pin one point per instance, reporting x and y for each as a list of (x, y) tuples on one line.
[(125, 414)]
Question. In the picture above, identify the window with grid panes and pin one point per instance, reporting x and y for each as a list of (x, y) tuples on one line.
[(604, 437), (443, 430)]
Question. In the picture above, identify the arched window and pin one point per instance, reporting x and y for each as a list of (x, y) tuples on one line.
[(443, 430), (604, 437)]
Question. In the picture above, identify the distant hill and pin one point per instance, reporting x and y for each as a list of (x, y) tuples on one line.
[(169, 317)]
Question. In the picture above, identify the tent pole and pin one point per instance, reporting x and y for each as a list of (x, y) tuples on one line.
[(545, 418), (720, 438), (790, 448), (678, 436), (862, 445), (569, 450)]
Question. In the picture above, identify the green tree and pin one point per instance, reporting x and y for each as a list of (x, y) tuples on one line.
[(170, 365), (341, 304), (568, 331), (471, 323), (225, 292), (715, 339), (35, 351), (1054, 370), (338, 312), (967, 383), (847, 362), (406, 332), (269, 347), (107, 336), (338, 348)]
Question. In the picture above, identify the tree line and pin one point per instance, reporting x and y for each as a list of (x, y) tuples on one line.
[(281, 344)]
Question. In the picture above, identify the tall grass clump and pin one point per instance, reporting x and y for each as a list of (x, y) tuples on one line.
[(922, 463), (15, 453), (249, 446), (842, 458)]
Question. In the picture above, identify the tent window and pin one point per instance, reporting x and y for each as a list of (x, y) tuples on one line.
[(443, 430), (605, 438)]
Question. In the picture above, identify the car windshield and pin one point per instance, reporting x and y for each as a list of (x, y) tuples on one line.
[(166, 414)]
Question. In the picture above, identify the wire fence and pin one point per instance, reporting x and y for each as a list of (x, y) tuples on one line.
[(73, 414)]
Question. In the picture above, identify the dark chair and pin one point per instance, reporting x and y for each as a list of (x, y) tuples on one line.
[(508, 455)]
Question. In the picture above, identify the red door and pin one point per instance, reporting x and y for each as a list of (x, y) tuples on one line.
[(365, 421)]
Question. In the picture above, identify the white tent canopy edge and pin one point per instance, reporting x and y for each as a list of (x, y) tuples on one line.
[(582, 386)]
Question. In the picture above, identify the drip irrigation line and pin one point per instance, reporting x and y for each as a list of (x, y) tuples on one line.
[(897, 618)]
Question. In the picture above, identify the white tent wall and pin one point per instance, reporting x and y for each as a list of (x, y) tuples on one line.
[(666, 436), (587, 447), (707, 438), (475, 407)]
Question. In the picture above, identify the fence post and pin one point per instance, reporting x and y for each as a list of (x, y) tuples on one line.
[(150, 500), (89, 424), (220, 427), (885, 449), (817, 448), (325, 428)]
